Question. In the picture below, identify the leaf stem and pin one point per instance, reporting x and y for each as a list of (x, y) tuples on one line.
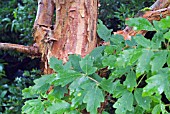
[(93, 80), (140, 80), (167, 104)]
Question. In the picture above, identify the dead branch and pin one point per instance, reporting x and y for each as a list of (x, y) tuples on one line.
[(30, 50)]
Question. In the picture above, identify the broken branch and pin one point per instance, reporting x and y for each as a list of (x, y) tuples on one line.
[(30, 50)]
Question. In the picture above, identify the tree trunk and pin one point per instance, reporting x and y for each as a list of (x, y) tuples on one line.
[(74, 31)]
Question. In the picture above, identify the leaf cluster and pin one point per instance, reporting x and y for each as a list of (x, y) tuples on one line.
[(138, 76), (11, 100)]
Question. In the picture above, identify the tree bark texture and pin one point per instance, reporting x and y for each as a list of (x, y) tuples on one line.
[(73, 31)]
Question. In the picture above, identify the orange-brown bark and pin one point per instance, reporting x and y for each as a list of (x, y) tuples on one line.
[(74, 31), (30, 50)]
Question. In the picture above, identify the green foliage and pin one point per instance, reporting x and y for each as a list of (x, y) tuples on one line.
[(11, 92), (114, 13), (139, 78), (17, 19), (142, 24)]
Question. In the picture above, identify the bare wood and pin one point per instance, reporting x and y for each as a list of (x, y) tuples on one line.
[(30, 50)]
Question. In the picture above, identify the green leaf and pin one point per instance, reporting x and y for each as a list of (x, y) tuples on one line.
[(140, 24), (109, 50), (65, 77), (34, 106), (93, 98), (168, 59), (135, 56), (73, 112), (139, 110), (86, 65), (57, 93), (56, 64), (87, 85), (76, 83), (124, 104), (164, 23), (156, 40), (157, 84), (28, 93), (156, 98), (158, 61), (103, 32), (160, 108), (58, 107), (167, 35), (74, 59), (156, 109), (3, 94), (143, 102), (117, 39), (97, 52), (78, 98), (109, 61), (142, 41), (124, 57), (143, 62), (42, 84), (118, 90), (130, 81), (107, 85), (131, 42)]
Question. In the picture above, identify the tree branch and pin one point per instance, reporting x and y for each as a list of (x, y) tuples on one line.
[(159, 4), (30, 50)]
